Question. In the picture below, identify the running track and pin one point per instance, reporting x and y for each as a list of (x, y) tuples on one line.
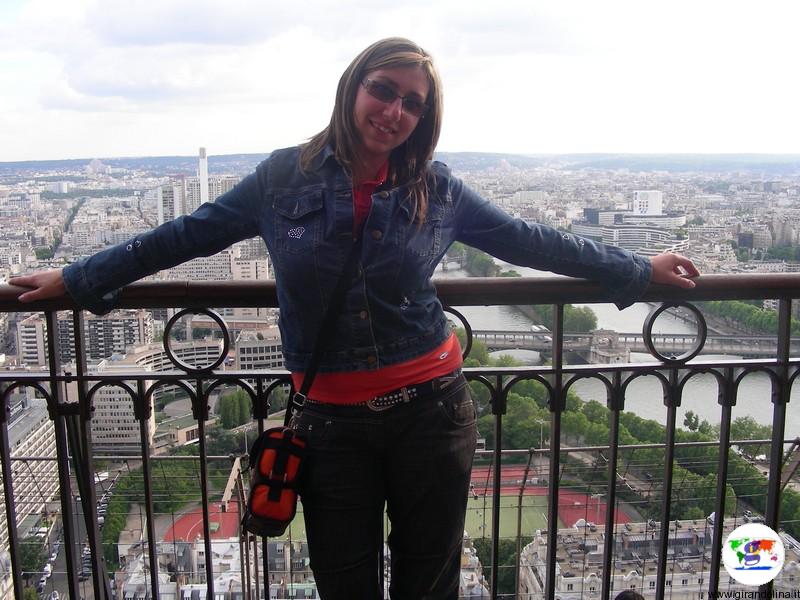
[(572, 506)]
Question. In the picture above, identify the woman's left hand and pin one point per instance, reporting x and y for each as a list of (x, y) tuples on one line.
[(673, 269)]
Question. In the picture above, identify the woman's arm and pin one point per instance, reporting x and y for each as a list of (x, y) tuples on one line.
[(625, 275)]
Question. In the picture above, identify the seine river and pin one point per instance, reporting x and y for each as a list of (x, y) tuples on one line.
[(644, 397)]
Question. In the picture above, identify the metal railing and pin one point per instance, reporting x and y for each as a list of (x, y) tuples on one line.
[(73, 432)]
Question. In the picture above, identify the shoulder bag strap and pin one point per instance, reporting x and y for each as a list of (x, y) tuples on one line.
[(326, 331)]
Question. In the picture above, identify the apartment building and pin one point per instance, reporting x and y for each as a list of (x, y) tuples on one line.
[(35, 483), (104, 335), (579, 561)]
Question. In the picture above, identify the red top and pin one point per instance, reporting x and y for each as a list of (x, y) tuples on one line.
[(359, 386), (362, 198)]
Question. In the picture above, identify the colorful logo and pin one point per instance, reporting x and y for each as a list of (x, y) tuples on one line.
[(753, 554)]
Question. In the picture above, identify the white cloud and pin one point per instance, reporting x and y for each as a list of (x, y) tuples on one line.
[(519, 76)]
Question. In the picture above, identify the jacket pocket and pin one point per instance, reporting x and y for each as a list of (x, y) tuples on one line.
[(298, 221), (425, 241)]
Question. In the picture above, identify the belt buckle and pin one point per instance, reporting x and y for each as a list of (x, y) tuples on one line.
[(390, 402), (377, 407), (445, 380)]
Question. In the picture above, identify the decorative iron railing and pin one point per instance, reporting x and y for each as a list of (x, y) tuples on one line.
[(622, 481)]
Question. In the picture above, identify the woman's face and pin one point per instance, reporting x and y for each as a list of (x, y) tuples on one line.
[(383, 126)]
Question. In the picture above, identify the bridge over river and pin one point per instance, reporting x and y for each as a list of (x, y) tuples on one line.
[(604, 342)]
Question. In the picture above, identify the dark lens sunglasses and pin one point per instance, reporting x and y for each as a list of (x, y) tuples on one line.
[(385, 93)]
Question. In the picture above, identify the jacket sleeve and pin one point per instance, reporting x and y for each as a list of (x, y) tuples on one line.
[(623, 274), (94, 282)]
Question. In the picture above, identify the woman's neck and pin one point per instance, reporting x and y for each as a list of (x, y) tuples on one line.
[(367, 170)]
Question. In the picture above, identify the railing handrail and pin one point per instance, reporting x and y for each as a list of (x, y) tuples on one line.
[(455, 292), (556, 378)]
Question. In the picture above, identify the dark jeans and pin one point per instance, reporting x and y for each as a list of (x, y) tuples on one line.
[(414, 457)]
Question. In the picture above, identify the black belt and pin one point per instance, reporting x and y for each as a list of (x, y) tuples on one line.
[(404, 394)]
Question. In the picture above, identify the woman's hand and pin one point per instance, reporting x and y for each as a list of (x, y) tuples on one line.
[(46, 284), (673, 269)]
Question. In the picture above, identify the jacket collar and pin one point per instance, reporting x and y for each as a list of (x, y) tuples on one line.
[(323, 157)]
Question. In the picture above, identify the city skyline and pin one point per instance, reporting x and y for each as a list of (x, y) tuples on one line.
[(126, 79)]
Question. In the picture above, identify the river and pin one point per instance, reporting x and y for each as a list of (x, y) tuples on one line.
[(644, 396)]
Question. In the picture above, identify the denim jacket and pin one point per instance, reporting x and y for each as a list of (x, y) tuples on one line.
[(391, 313)]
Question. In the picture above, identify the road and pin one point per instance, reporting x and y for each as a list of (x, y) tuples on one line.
[(58, 581)]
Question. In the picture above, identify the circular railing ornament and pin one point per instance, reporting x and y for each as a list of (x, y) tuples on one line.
[(702, 333), (467, 329), (181, 364)]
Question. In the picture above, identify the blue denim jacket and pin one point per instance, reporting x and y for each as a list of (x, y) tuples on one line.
[(391, 311)]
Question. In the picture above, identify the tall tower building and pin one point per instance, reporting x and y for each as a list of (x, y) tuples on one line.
[(202, 175), (170, 201)]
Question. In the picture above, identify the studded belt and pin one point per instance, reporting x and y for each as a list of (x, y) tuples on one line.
[(406, 393)]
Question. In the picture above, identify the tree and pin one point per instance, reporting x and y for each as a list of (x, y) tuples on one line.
[(580, 319), (691, 421), (747, 428), (245, 407), (507, 562), (32, 557), (225, 409)]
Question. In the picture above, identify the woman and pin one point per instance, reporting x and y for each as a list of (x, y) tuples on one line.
[(389, 418)]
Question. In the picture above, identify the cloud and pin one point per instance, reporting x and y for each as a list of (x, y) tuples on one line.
[(234, 23), (518, 75)]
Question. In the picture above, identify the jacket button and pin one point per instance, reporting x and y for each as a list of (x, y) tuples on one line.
[(377, 234), (383, 195), (363, 314), (371, 359)]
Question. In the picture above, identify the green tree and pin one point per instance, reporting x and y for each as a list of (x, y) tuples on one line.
[(228, 412), (32, 557), (479, 264), (691, 420), (506, 559), (577, 319), (747, 428), (245, 407)]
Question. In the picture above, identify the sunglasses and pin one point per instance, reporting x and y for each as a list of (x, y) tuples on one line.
[(384, 93)]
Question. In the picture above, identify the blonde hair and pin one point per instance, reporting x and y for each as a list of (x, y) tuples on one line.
[(408, 162)]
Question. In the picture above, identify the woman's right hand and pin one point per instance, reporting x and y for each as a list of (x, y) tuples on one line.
[(45, 284)]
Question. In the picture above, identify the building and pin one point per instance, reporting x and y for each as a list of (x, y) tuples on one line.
[(260, 349), (35, 483), (31, 341), (114, 424), (237, 263), (170, 198), (103, 335), (643, 239), (647, 202), (178, 431), (202, 176), (182, 196), (579, 561)]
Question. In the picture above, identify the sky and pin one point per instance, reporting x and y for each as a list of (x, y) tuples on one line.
[(109, 78)]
